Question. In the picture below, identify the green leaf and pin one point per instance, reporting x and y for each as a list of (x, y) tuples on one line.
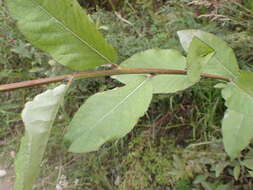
[(245, 82), (199, 54), (251, 173), (239, 94), (237, 125), (61, 28), (237, 130), (219, 168), (38, 116), (237, 171), (248, 163), (163, 59), (109, 115), (223, 63)]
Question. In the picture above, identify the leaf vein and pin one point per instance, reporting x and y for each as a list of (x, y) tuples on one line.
[(70, 31), (117, 106)]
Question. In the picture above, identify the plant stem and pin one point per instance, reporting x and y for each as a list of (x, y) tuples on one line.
[(117, 71)]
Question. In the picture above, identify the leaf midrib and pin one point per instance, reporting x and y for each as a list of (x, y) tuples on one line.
[(115, 107), (243, 90), (224, 67), (216, 57), (72, 32)]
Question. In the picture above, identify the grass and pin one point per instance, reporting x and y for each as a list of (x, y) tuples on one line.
[(176, 145)]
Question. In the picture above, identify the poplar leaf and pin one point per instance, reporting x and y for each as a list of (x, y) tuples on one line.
[(62, 28), (38, 117), (163, 59), (108, 115), (223, 62), (237, 125)]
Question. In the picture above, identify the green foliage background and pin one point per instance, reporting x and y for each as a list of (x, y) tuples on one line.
[(154, 155)]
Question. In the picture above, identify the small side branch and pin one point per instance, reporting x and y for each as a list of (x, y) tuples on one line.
[(117, 71)]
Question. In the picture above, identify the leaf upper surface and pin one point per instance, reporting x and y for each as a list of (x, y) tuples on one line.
[(237, 130), (239, 94), (38, 117), (61, 28), (159, 58), (237, 125), (198, 56), (108, 115), (223, 63)]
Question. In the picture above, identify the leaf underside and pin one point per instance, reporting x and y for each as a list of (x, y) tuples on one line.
[(158, 58), (38, 117), (108, 115), (61, 28)]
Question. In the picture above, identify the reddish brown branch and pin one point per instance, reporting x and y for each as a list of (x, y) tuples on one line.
[(119, 71)]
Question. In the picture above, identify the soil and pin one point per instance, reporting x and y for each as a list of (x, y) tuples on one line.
[(6, 182)]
